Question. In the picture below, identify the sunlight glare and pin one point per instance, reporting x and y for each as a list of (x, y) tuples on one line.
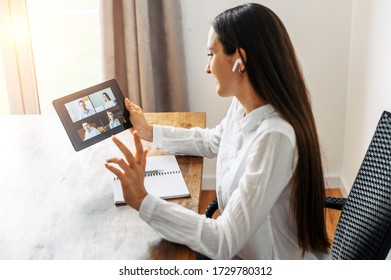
[(20, 28)]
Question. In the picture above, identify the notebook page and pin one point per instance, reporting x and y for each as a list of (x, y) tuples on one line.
[(168, 183)]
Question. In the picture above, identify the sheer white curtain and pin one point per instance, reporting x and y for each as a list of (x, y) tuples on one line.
[(144, 50)]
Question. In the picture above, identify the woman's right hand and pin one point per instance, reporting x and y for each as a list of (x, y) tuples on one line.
[(139, 122)]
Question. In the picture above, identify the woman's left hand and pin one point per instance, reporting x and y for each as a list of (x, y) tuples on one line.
[(130, 172)]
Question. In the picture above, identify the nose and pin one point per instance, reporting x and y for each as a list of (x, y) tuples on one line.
[(207, 69)]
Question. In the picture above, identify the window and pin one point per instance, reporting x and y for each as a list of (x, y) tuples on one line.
[(50, 49), (66, 44)]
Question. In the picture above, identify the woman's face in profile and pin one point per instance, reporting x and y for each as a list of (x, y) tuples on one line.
[(220, 65)]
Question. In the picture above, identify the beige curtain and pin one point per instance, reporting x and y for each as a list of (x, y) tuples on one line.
[(143, 49)]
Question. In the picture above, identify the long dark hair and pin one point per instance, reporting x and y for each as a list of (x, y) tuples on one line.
[(275, 74), (105, 94)]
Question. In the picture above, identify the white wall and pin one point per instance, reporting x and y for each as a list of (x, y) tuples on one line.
[(369, 91), (320, 31)]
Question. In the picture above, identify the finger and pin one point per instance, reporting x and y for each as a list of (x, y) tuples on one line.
[(139, 147), (124, 166), (128, 104), (144, 161), (131, 106), (115, 171), (128, 155), (135, 108), (141, 153)]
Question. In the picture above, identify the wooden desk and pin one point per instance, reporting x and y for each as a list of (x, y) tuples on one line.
[(56, 203)]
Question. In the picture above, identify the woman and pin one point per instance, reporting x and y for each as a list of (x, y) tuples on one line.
[(113, 122), (108, 102), (269, 177)]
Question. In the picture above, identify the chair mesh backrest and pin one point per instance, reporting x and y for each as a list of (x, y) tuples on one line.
[(364, 228)]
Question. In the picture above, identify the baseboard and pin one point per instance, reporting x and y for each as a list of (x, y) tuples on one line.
[(345, 188), (209, 183), (333, 182)]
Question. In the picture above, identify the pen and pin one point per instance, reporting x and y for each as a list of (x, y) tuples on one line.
[(153, 171)]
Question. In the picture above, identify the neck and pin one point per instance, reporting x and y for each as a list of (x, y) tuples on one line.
[(250, 100)]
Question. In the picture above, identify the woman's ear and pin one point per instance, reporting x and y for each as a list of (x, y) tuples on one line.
[(240, 60), (241, 53)]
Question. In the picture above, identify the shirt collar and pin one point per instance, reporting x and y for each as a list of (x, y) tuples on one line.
[(253, 119)]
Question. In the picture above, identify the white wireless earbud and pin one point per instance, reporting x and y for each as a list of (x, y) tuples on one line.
[(237, 62)]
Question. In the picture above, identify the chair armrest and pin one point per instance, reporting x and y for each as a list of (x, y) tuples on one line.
[(334, 202), (212, 207)]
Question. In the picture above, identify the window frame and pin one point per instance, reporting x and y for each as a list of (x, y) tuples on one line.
[(18, 58)]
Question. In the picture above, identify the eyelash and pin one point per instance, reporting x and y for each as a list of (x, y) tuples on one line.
[(210, 54)]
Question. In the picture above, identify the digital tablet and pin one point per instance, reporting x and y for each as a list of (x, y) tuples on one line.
[(93, 114)]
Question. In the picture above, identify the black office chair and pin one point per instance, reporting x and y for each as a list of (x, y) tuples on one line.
[(364, 227)]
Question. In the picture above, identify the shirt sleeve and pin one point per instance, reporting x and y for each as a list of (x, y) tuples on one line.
[(268, 172), (193, 141), (196, 141)]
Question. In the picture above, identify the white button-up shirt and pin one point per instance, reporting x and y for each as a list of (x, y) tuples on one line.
[(256, 158)]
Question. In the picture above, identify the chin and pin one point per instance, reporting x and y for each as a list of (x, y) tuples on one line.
[(221, 93)]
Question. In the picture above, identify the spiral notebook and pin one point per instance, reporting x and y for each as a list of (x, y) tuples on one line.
[(163, 179)]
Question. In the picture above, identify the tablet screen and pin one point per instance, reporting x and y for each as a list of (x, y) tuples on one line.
[(93, 114)]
